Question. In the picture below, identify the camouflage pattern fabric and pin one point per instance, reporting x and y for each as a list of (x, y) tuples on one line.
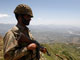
[(12, 50), (23, 9)]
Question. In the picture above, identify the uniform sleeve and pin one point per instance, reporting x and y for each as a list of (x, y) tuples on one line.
[(32, 38), (11, 52)]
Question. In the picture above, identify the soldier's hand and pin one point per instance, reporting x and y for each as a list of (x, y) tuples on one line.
[(44, 50), (31, 46)]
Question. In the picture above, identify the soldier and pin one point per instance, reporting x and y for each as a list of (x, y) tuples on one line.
[(14, 39)]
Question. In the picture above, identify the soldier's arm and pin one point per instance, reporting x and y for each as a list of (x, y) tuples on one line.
[(11, 50), (42, 49)]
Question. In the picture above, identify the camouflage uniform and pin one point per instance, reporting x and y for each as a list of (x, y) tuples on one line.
[(12, 51)]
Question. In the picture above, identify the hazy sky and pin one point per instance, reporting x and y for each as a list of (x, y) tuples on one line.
[(59, 12)]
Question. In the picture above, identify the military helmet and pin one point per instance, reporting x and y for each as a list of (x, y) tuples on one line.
[(23, 9)]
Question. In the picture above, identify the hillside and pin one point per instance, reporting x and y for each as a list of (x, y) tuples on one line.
[(61, 51), (58, 51)]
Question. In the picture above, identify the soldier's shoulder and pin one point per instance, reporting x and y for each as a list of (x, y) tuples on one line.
[(7, 34), (13, 29)]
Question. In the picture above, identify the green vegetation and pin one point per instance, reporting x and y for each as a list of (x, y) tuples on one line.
[(58, 51), (63, 51)]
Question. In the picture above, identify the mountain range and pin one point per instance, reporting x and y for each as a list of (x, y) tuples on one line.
[(50, 33)]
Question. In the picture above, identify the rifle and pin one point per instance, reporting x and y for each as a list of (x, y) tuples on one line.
[(25, 41)]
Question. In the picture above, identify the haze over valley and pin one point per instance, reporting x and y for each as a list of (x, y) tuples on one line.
[(50, 33)]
